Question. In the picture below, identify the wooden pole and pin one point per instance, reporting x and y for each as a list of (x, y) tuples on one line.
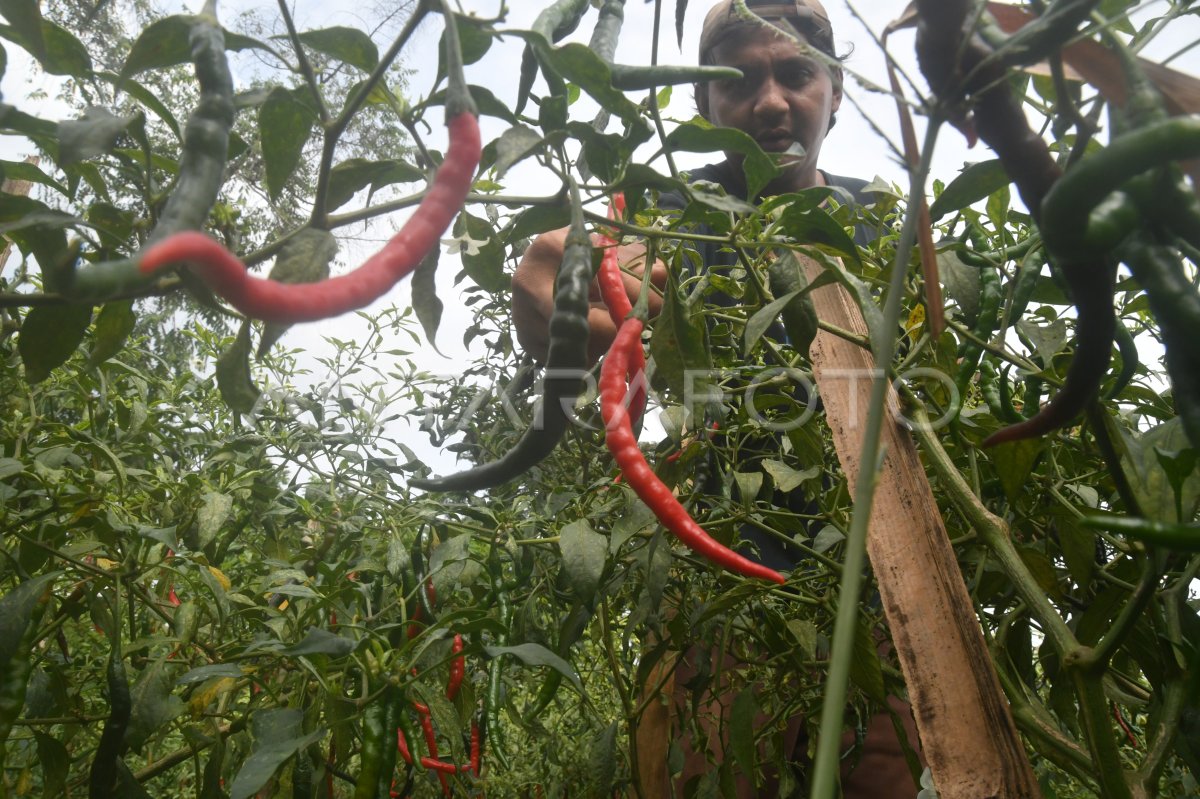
[(963, 718)]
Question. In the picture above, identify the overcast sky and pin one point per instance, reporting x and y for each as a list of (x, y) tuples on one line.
[(853, 148)]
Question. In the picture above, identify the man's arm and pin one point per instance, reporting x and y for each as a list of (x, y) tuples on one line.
[(533, 294)]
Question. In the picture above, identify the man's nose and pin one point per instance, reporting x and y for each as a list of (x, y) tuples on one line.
[(771, 102)]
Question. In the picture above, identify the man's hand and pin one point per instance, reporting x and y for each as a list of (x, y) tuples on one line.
[(533, 294)]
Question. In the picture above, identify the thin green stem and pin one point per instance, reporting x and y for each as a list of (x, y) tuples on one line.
[(827, 761)]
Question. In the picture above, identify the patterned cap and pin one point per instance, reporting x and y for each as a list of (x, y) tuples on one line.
[(806, 16)]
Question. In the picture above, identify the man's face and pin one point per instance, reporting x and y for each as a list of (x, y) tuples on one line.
[(784, 101)]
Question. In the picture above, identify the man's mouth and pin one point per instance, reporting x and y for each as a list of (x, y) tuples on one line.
[(775, 141)]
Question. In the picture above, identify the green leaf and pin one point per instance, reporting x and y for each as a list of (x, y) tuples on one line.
[(1048, 340), (113, 326), (865, 669), (354, 174), (1078, 548), (94, 134), (683, 366), (49, 335), (146, 97), (790, 285), (284, 124), (349, 45), (304, 258), (786, 478), (481, 252), (278, 734), (515, 144), (578, 64), (535, 220), (65, 54), (764, 317), (699, 136), (153, 705), (25, 170), (212, 515), (741, 733), (16, 609), (1151, 483), (749, 484), (973, 184), (56, 764), (537, 655), (202, 673), (25, 16), (425, 300), (163, 43), (233, 374), (474, 41), (602, 762), (321, 642), (166, 43), (1014, 462), (1041, 568), (583, 551), (816, 226)]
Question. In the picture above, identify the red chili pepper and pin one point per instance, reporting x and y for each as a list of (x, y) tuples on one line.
[(612, 290), (402, 746), (458, 668), (172, 598), (476, 748), (287, 303), (432, 763), (431, 744), (641, 478)]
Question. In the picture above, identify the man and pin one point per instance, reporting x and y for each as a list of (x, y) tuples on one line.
[(786, 100)]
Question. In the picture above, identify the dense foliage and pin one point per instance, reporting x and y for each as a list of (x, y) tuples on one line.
[(215, 572)]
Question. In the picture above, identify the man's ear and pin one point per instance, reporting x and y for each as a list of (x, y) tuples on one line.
[(836, 101)]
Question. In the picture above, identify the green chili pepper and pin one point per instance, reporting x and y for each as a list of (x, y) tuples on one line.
[(608, 29), (1067, 224), (201, 168), (376, 742), (554, 23), (1000, 121), (573, 627), (103, 777), (997, 257), (632, 78), (1176, 308), (1025, 283), (1182, 537), (992, 388), (565, 366), (990, 299), (1127, 347)]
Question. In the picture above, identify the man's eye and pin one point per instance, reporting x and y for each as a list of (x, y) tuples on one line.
[(796, 77)]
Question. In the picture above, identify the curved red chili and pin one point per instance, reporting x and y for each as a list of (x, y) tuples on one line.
[(287, 303), (612, 291), (624, 447)]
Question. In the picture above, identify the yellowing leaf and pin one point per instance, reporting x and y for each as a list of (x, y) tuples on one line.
[(208, 693), (106, 564), (220, 577)]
